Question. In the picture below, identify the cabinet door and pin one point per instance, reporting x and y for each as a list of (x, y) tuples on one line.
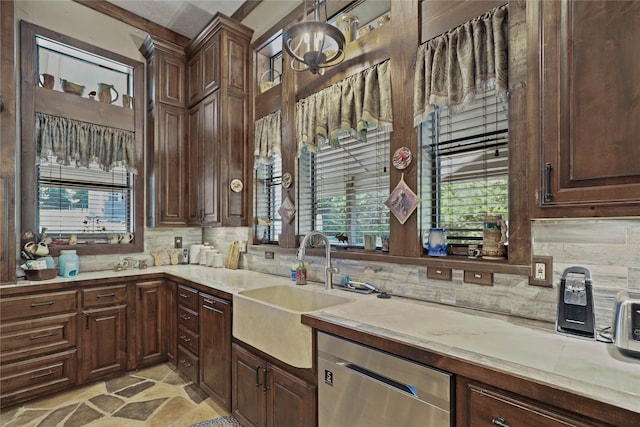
[(104, 342), (210, 155), (249, 390), (195, 78), (215, 348), (590, 109), (290, 400), (150, 323), (234, 161), (211, 66), (171, 80), (169, 175)]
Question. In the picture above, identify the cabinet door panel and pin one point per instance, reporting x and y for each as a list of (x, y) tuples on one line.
[(170, 167), (171, 322), (215, 353), (234, 163), (589, 110), (195, 78), (210, 66), (290, 400), (150, 317), (104, 342), (249, 397), (211, 161), (172, 80)]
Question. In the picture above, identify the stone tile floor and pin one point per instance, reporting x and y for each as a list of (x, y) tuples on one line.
[(157, 396)]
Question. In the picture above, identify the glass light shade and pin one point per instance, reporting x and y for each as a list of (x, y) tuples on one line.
[(313, 46)]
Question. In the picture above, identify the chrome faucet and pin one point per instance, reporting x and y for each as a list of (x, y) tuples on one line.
[(328, 270)]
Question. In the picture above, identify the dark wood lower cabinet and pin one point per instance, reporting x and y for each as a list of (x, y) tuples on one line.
[(103, 342), (483, 405), (150, 323), (215, 348), (265, 395)]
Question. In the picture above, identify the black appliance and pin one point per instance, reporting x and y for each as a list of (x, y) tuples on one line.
[(575, 304)]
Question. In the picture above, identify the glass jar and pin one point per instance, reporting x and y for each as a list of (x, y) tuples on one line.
[(68, 263)]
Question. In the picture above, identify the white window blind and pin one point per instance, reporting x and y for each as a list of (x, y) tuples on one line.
[(341, 191), (464, 168), (267, 200), (85, 201)]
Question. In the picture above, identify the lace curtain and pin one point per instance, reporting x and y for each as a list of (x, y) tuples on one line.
[(450, 68), (267, 137), (81, 143), (355, 104)]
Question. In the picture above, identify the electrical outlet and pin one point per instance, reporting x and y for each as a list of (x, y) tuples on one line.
[(177, 242), (542, 271), (268, 255)]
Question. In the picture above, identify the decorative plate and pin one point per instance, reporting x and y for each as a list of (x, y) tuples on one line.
[(402, 201), (287, 180), (402, 158), (287, 210), (236, 185)]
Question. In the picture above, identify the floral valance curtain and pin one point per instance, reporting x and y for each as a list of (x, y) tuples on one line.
[(450, 68), (79, 143), (267, 137), (359, 102)]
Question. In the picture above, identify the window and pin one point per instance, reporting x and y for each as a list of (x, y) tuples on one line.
[(341, 191), (88, 202), (464, 168), (81, 167), (267, 200)]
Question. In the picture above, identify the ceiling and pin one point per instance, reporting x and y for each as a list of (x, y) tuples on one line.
[(189, 17)]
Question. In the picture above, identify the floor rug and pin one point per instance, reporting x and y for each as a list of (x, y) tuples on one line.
[(228, 421)]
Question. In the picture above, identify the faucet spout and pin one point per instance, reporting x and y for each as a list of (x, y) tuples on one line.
[(328, 269)]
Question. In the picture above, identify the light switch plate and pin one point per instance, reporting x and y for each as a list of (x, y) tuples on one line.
[(541, 271)]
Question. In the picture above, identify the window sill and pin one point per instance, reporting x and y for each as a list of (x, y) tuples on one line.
[(97, 248), (458, 262)]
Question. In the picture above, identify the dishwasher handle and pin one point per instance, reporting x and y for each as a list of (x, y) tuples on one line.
[(407, 388)]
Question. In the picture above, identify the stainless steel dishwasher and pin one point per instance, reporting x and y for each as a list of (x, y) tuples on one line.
[(362, 386)]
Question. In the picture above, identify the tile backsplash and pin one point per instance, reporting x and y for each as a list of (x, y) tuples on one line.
[(609, 248)]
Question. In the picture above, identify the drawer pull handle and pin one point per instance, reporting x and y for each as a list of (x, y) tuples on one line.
[(40, 304), (185, 317), (46, 374), (258, 376), (547, 182), (208, 301), (499, 422), (185, 338), (112, 294), (185, 363), (35, 337), (185, 296)]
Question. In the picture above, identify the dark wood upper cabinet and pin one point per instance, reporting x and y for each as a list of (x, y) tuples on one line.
[(167, 146), (589, 109)]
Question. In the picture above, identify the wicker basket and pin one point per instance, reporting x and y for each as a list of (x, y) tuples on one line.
[(45, 274)]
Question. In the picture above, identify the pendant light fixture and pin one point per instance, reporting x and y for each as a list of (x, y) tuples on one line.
[(314, 45)]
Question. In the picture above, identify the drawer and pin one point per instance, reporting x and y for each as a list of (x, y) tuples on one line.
[(188, 297), (28, 306), (104, 295), (188, 318), (188, 364), (189, 340), (37, 377), (29, 338), (490, 408)]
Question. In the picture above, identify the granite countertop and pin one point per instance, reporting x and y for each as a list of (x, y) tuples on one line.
[(525, 349)]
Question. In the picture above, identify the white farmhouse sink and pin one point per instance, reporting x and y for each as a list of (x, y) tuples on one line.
[(269, 320)]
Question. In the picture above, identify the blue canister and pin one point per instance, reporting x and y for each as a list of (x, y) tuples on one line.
[(68, 263)]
